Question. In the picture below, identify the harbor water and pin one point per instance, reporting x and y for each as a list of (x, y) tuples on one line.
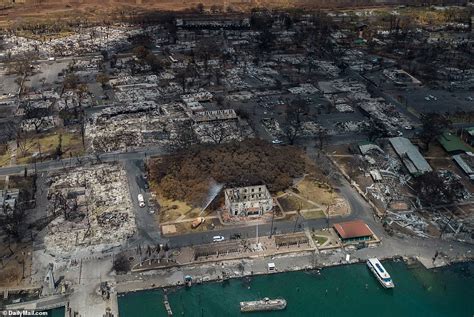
[(57, 312), (349, 290)]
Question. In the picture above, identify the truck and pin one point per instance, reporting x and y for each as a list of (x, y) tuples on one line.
[(197, 222), (141, 201)]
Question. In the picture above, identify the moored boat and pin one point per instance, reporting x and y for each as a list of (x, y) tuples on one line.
[(380, 273), (265, 304)]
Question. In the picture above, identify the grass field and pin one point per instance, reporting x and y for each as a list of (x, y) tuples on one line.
[(71, 145), (47, 144), (317, 192), (319, 239), (111, 10), (290, 203), (313, 214)]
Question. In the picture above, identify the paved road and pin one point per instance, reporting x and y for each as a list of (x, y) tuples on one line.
[(138, 154), (148, 231)]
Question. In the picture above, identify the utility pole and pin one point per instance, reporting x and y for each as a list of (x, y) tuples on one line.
[(327, 216), (296, 221), (446, 226), (271, 229), (257, 233)]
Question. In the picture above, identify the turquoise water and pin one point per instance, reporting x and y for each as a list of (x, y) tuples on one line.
[(339, 291), (57, 312)]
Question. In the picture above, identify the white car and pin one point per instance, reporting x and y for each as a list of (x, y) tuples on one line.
[(277, 141), (217, 238), (141, 201)]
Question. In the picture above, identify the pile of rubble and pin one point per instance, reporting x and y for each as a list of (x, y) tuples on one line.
[(350, 126), (375, 108), (217, 132), (409, 222), (90, 206), (273, 127), (303, 89), (310, 128), (87, 40), (138, 125)]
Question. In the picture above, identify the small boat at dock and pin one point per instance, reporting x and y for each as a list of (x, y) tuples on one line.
[(380, 273), (265, 304)]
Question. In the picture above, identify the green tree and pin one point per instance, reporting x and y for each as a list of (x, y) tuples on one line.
[(433, 125)]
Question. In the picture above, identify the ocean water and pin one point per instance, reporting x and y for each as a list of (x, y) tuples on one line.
[(57, 312), (349, 290)]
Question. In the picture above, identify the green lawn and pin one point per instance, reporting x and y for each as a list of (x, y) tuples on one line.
[(319, 239)]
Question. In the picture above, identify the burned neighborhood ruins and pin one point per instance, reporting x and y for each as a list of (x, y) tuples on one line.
[(140, 143)]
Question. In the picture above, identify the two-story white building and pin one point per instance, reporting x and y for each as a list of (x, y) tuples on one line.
[(248, 201)]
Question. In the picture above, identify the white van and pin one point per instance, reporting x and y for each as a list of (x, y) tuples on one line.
[(141, 201)]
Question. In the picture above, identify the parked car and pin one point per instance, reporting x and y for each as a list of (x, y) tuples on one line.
[(217, 238)]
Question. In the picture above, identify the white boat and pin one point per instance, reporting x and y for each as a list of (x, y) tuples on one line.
[(380, 273), (265, 304)]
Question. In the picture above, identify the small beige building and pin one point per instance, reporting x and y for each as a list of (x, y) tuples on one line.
[(248, 201)]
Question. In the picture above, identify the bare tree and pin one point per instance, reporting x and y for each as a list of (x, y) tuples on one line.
[(121, 264), (13, 223), (217, 132), (322, 137), (433, 125), (294, 119), (103, 79), (38, 116), (206, 48), (182, 76), (186, 136), (71, 81), (433, 189)]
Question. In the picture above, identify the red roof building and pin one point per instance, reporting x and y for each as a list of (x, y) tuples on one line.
[(353, 231)]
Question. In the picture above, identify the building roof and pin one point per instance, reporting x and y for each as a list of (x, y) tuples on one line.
[(470, 130), (411, 157), (366, 146), (452, 143), (353, 229), (215, 115), (465, 162)]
